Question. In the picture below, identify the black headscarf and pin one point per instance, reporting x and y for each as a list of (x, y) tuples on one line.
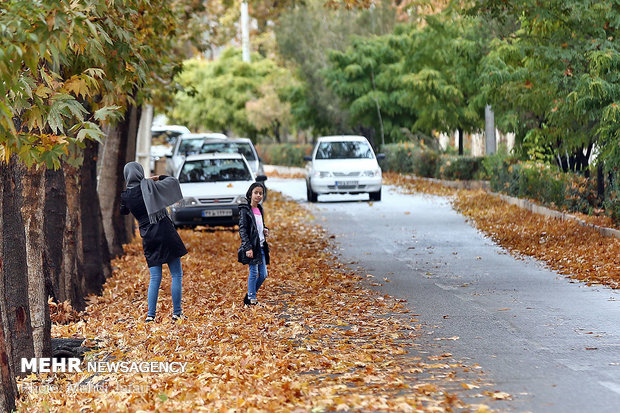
[(157, 195)]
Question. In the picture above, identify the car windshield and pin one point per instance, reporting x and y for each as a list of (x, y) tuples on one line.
[(214, 170), (164, 137), (344, 150), (243, 148), (190, 146)]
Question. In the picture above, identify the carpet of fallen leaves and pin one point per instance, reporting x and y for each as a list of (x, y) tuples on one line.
[(570, 249), (320, 340)]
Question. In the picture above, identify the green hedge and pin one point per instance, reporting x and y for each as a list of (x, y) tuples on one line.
[(461, 168), (408, 158), (423, 161), (284, 154), (543, 183)]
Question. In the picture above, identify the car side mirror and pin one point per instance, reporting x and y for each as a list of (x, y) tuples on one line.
[(308, 158), (261, 178), (380, 156)]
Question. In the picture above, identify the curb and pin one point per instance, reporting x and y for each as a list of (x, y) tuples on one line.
[(538, 209)]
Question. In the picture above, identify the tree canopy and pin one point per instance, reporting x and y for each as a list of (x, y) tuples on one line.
[(66, 67), (215, 93), (555, 77)]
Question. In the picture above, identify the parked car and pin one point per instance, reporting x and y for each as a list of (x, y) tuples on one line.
[(213, 185), (167, 134), (188, 144), (343, 164), (163, 138), (243, 146)]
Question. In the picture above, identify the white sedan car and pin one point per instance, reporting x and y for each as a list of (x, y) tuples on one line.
[(213, 185), (343, 164), (188, 144)]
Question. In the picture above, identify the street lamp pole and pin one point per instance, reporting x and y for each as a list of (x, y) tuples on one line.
[(245, 31)]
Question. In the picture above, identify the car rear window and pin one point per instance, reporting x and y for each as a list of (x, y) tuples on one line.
[(344, 150), (190, 146), (214, 170), (229, 147)]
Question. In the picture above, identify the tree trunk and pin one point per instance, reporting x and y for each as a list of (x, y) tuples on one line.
[(276, 131), (460, 131), (14, 307), (600, 182), (32, 213), (8, 390), (55, 212), (72, 245), (120, 148), (8, 387), (96, 259)]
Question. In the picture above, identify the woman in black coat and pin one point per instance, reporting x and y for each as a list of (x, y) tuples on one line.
[(254, 250), (147, 200)]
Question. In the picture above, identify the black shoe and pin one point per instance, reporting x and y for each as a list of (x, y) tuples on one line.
[(246, 300), (176, 317), (149, 319)]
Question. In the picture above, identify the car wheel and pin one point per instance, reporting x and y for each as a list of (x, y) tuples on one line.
[(311, 195), (375, 196)]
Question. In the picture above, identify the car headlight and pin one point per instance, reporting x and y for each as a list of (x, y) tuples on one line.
[(239, 199), (321, 174), (372, 172), (185, 202)]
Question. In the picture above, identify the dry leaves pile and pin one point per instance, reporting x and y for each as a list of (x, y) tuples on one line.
[(565, 246), (294, 174), (319, 341)]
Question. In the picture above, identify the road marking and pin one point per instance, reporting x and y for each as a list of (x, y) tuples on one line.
[(574, 366), (446, 287), (615, 387)]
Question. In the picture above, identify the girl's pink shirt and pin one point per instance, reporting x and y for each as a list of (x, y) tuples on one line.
[(256, 211)]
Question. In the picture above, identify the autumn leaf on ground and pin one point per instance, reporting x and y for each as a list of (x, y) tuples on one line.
[(319, 340)]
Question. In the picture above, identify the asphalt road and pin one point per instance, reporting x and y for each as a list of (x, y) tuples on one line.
[(552, 343)]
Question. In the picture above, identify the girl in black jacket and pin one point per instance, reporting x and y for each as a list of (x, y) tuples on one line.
[(254, 250)]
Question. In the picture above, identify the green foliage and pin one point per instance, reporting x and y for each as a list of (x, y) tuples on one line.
[(362, 77), (554, 79), (285, 154), (543, 183), (305, 35), (439, 73), (496, 167), (459, 168), (406, 157), (215, 93)]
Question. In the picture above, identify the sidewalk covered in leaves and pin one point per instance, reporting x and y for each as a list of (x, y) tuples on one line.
[(318, 341)]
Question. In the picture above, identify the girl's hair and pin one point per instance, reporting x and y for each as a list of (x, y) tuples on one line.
[(248, 194)]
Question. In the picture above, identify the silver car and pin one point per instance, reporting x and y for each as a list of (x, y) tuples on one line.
[(188, 144), (243, 146)]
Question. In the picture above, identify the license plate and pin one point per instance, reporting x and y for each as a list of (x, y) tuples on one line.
[(217, 213), (346, 183)]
